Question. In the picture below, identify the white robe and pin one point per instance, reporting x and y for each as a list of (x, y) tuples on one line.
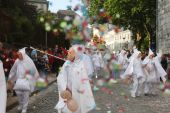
[(88, 64), (129, 69), (138, 77), (159, 69), (123, 62), (97, 61), (150, 71), (20, 67), (137, 68), (63, 80), (78, 81), (3, 93), (153, 71)]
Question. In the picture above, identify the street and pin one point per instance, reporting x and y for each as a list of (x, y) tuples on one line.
[(118, 102)]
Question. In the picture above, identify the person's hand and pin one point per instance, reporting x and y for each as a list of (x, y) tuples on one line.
[(65, 100)]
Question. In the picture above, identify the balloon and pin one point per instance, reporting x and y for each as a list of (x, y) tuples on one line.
[(63, 24), (47, 26), (41, 19)]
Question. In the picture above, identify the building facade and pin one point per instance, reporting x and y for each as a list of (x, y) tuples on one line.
[(163, 26), (118, 41), (61, 14), (41, 5)]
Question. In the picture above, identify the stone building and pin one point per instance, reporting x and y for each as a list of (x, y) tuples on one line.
[(61, 14), (163, 26), (118, 41)]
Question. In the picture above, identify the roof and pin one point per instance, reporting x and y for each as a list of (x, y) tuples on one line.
[(38, 1), (62, 13)]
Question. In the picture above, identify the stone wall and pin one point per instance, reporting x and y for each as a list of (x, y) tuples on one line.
[(163, 26)]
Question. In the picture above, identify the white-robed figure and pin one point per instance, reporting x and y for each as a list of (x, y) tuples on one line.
[(23, 75), (122, 61), (98, 62), (153, 71), (86, 59), (137, 75), (135, 70), (73, 76), (3, 90)]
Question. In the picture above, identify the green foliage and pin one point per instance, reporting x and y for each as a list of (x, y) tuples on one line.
[(22, 21), (145, 44), (137, 15)]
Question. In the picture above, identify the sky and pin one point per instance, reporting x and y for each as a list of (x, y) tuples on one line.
[(62, 4)]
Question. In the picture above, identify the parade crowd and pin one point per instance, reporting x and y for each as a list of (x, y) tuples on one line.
[(76, 78)]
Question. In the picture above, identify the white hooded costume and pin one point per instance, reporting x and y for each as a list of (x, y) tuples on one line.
[(129, 69), (87, 60), (88, 65), (74, 76), (19, 71), (137, 75), (3, 90), (98, 62), (135, 70), (153, 71), (123, 61)]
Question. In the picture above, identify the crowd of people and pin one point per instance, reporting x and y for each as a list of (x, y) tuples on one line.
[(44, 63), (145, 70), (81, 65), (21, 69)]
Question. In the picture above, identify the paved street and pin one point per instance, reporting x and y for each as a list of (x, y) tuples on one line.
[(118, 102), (43, 102)]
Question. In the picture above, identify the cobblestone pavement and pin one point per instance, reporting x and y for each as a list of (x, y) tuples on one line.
[(43, 102), (118, 102)]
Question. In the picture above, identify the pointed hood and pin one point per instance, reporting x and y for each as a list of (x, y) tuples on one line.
[(23, 52), (150, 52)]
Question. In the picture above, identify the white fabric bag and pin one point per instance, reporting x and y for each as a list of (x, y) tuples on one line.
[(22, 84)]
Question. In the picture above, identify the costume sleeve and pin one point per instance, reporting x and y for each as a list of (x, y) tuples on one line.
[(159, 70), (61, 81), (84, 80)]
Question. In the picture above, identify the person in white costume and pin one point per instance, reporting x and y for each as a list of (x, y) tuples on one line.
[(73, 76), (23, 69), (63, 82), (3, 91), (86, 59), (135, 71), (137, 75), (97, 62), (153, 71), (123, 61), (129, 69)]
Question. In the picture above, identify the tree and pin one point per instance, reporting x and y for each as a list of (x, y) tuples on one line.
[(137, 15), (22, 21)]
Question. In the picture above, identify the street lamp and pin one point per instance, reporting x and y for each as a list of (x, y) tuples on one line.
[(47, 28)]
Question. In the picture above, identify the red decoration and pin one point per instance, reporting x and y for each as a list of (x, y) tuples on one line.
[(79, 49)]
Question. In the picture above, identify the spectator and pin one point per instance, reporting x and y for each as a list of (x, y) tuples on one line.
[(51, 58), (164, 62), (1, 52), (34, 57)]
